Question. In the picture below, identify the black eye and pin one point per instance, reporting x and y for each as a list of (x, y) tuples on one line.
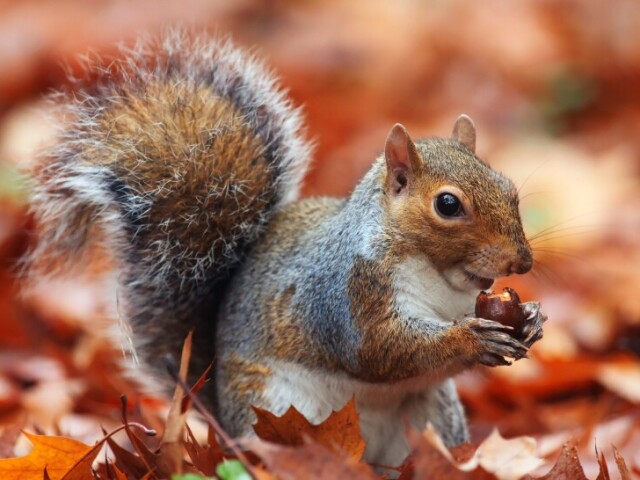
[(448, 205)]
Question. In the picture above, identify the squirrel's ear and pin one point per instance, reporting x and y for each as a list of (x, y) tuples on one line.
[(465, 132), (402, 157)]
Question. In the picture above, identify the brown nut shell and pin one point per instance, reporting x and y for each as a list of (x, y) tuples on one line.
[(503, 308)]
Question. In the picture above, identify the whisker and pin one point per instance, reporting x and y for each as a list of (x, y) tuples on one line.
[(564, 258), (530, 194), (542, 271), (533, 172), (555, 227), (551, 237), (557, 253)]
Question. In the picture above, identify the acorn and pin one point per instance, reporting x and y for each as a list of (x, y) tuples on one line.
[(503, 308)]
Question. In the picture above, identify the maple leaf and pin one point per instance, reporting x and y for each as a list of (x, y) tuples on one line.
[(431, 459), (567, 466), (508, 459), (604, 468), (622, 466), (110, 471), (495, 457), (204, 458), (312, 461), (172, 444), (340, 431), (63, 458)]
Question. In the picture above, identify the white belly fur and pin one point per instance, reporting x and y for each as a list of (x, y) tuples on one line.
[(383, 409)]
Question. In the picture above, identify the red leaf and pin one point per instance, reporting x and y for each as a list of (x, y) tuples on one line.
[(340, 431)]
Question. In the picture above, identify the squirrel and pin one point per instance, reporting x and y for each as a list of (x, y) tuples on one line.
[(185, 161)]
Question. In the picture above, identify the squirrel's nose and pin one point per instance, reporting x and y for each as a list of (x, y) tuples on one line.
[(521, 265)]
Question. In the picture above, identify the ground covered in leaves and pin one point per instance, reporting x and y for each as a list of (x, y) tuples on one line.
[(552, 88)]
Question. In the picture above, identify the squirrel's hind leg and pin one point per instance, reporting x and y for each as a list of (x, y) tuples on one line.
[(447, 416), (240, 383)]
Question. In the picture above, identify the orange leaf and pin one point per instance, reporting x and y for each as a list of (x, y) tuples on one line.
[(311, 461), (59, 455), (604, 468), (429, 461), (205, 458), (622, 466), (340, 431), (567, 466)]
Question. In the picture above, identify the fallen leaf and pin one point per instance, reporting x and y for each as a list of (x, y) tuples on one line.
[(109, 471), (622, 378), (59, 455), (205, 458), (622, 466), (507, 459), (567, 466), (341, 430), (171, 446), (127, 461), (603, 474), (431, 459), (312, 461)]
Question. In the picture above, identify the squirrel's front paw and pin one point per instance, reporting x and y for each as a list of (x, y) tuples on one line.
[(495, 342), (532, 330)]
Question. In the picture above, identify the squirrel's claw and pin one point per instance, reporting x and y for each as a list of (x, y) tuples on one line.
[(495, 341), (532, 330), (493, 360)]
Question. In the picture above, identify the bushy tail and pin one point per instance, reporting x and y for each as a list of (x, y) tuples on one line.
[(175, 159)]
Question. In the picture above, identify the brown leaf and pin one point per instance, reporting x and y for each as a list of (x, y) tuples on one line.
[(127, 461), (310, 461), (604, 468), (622, 466), (621, 377), (430, 462), (205, 458), (567, 466), (340, 431), (150, 459), (109, 471), (508, 459), (171, 446), (59, 455), (199, 385)]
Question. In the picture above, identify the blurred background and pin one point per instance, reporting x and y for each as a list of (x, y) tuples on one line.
[(554, 90)]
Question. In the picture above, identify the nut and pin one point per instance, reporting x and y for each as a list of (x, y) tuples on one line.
[(503, 308)]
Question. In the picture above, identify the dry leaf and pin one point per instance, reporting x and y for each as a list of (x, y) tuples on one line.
[(205, 458), (312, 461), (341, 430), (59, 455), (495, 457), (431, 459), (567, 467), (127, 461), (507, 459), (603, 474), (109, 471), (171, 447), (622, 466), (622, 378)]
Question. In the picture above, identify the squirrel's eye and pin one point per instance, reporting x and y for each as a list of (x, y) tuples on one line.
[(448, 205)]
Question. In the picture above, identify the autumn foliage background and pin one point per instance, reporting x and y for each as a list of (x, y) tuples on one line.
[(553, 89)]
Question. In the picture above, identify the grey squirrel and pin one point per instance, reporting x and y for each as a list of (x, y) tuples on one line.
[(185, 159)]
